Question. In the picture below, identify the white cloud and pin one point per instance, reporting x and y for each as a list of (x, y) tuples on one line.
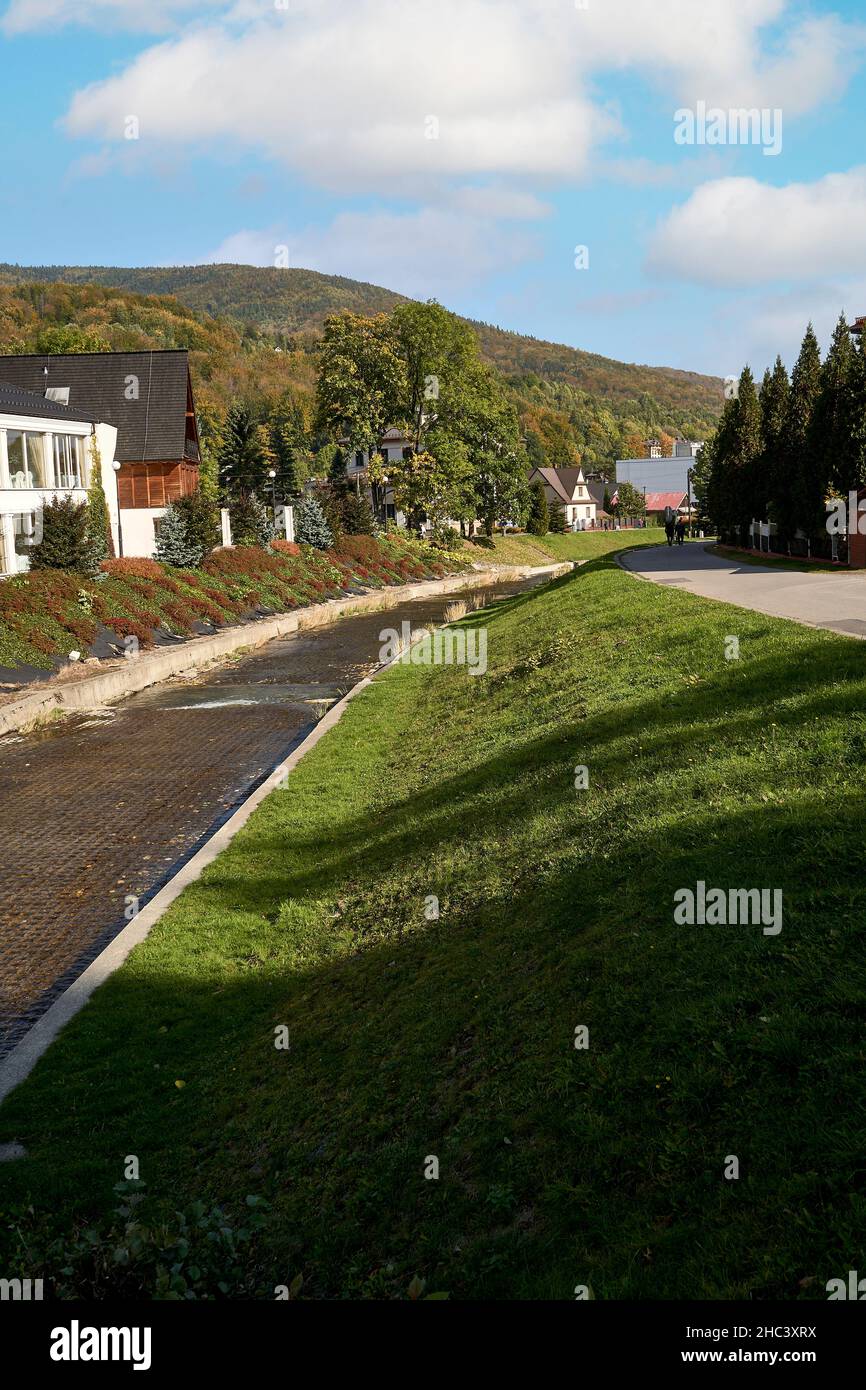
[(422, 254), (342, 93), (738, 232), (145, 16)]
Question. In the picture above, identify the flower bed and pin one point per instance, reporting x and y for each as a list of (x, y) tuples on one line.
[(48, 613)]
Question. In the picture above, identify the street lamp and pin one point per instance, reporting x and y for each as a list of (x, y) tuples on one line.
[(116, 466), (272, 474), (689, 498)]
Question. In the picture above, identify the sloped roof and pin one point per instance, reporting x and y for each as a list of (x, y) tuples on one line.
[(151, 427), (14, 400), (562, 481), (657, 501)]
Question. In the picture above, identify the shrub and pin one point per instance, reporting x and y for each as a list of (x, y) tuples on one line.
[(98, 529), (137, 566), (250, 521), (174, 544), (286, 547), (202, 522), (358, 548), (64, 537), (311, 526)]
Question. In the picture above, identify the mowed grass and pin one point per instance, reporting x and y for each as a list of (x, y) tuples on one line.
[(523, 549), (454, 1038)]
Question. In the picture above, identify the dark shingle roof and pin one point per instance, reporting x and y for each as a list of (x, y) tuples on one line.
[(14, 400), (153, 426)]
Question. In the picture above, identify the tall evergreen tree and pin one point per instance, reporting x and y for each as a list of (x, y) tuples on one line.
[(744, 450), (832, 449), (244, 453), (855, 421), (775, 391), (284, 446), (800, 498), (539, 519)]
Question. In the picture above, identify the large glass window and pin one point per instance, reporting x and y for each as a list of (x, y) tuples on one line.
[(26, 459), (68, 453)]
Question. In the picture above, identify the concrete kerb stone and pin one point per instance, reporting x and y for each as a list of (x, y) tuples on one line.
[(150, 668), (21, 1061)]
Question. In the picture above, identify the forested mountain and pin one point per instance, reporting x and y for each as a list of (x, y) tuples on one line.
[(572, 404)]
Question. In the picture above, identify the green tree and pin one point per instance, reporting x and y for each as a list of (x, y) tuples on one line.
[(800, 502), (361, 387), (775, 390), (744, 457), (100, 545), (311, 527), (437, 350), (538, 520), (250, 520), (244, 453), (831, 441), (630, 501), (68, 337), (174, 546), (558, 523)]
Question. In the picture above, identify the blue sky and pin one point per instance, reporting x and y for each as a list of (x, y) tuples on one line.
[(460, 150)]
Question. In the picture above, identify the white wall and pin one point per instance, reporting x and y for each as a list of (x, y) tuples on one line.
[(139, 537)]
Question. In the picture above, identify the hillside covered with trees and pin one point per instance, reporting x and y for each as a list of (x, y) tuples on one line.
[(572, 405)]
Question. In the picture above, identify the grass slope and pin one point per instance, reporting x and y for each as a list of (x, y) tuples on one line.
[(522, 549), (454, 1037)]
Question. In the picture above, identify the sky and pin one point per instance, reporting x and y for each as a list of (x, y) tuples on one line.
[(571, 169)]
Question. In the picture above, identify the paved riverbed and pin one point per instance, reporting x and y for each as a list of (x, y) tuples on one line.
[(101, 809)]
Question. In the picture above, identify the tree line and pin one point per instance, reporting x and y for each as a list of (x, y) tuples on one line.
[(783, 450)]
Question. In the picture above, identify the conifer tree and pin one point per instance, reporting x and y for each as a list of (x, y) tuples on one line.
[(799, 498), (538, 520), (775, 390)]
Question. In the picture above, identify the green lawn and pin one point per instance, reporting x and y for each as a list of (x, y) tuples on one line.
[(523, 549), (454, 1038)]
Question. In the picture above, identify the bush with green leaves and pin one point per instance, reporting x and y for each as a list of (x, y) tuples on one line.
[(64, 537), (250, 521), (311, 528)]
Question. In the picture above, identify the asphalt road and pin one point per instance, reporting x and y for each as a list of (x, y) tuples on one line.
[(818, 599)]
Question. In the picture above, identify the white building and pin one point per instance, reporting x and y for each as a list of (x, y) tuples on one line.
[(566, 488), (147, 398), (45, 452)]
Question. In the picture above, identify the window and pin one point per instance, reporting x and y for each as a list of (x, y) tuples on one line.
[(385, 455), (24, 528), (407, 453), (26, 459), (68, 452), (359, 459)]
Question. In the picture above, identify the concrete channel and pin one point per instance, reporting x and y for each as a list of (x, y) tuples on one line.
[(105, 806)]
